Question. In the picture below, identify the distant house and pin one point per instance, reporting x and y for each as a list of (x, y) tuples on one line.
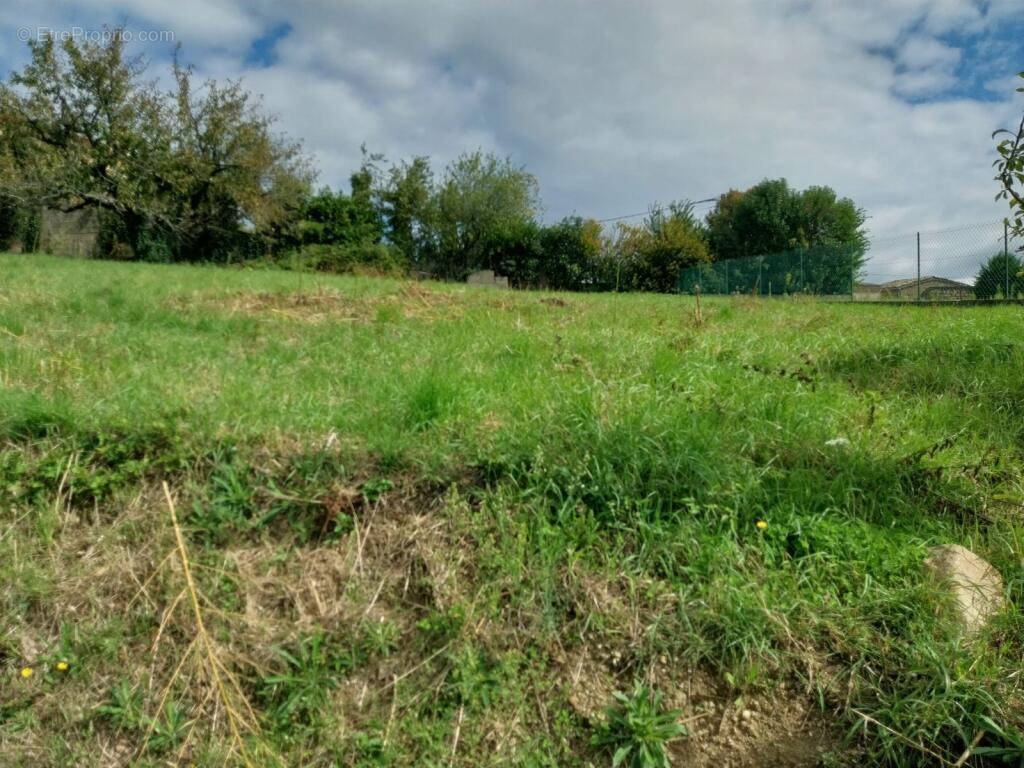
[(931, 289)]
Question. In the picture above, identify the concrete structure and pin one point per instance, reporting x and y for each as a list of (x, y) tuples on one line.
[(866, 291), (487, 277), (69, 234)]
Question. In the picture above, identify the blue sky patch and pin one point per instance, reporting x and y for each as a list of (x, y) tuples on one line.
[(262, 51)]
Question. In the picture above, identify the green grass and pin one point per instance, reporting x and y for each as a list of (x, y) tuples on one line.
[(428, 523)]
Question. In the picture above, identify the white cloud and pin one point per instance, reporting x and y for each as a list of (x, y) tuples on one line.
[(928, 67)]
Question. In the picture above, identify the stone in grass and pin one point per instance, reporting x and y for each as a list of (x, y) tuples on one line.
[(838, 442), (976, 587)]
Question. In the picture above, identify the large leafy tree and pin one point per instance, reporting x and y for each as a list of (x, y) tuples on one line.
[(80, 130), (771, 217), (406, 201), (764, 219), (231, 170), (194, 166), (480, 197), (784, 240)]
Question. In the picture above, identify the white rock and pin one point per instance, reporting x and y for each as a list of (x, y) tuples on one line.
[(976, 587), (837, 442)]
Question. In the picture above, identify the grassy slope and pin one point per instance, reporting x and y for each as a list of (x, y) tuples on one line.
[(430, 521)]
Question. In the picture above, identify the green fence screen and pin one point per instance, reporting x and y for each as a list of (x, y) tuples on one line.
[(820, 271)]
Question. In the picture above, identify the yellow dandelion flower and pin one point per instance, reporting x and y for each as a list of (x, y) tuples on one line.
[(27, 672), (761, 525), (62, 666)]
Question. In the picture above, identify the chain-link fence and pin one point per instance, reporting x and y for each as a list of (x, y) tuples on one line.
[(975, 262)]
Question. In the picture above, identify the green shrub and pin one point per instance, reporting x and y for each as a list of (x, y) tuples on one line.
[(8, 222), (296, 695), (638, 730), (89, 466), (1001, 272), (19, 225), (371, 258)]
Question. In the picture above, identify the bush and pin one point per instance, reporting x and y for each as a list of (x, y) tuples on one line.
[(374, 258), (9, 222), (31, 228), (638, 730), (569, 250), (113, 242), (19, 225), (995, 273), (515, 251), (652, 256), (334, 218)]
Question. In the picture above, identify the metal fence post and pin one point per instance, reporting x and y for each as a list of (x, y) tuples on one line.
[(918, 266), (759, 260), (1006, 257), (726, 277)]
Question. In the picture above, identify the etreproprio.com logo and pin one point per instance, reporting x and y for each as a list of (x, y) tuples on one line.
[(81, 34)]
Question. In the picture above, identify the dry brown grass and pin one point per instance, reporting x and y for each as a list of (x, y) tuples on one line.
[(323, 305)]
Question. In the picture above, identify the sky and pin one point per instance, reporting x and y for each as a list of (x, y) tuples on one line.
[(615, 105)]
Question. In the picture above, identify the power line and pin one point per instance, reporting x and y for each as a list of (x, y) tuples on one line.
[(647, 212)]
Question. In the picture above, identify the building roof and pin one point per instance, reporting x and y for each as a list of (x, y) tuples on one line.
[(910, 282)]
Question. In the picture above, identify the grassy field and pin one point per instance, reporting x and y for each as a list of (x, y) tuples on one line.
[(434, 525)]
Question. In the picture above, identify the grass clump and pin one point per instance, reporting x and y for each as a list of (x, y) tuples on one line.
[(638, 730)]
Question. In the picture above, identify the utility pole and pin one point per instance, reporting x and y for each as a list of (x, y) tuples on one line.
[(918, 266)]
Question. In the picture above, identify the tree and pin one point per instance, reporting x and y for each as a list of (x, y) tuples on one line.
[(654, 254), (785, 240), (198, 169), (823, 219), (764, 219), (480, 197), (80, 130), (1010, 171), (232, 172), (515, 250), (406, 202), (568, 254), (336, 218), (1002, 276)]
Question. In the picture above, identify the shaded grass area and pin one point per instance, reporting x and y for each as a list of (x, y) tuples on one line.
[(438, 525)]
